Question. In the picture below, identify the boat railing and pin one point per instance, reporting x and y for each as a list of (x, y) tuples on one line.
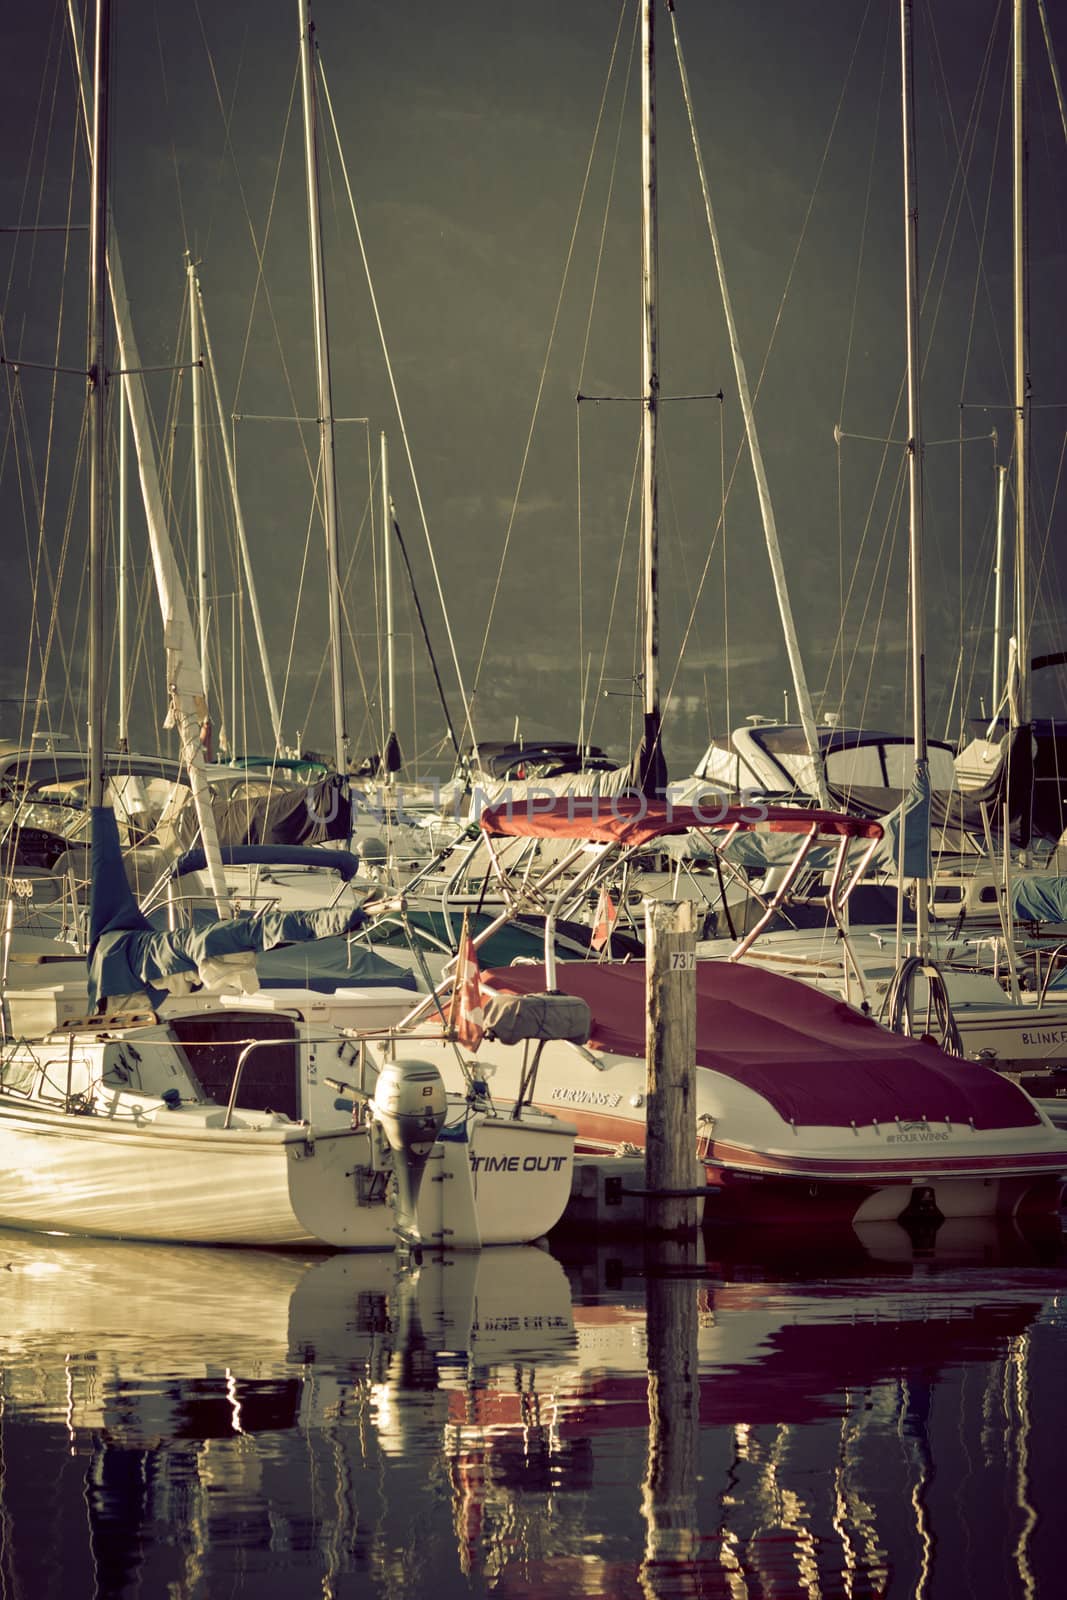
[(251, 1046), (246, 1048), (1059, 955), (181, 907)]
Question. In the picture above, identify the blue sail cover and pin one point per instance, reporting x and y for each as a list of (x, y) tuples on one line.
[(1039, 898), (343, 862), (128, 956), (912, 819)]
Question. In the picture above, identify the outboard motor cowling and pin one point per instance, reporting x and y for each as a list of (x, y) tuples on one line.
[(409, 1106)]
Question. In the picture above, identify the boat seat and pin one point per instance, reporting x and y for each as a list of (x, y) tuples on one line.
[(513, 1017)]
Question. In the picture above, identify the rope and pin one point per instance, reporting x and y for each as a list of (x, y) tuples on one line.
[(725, 607), (426, 638), (262, 287), (853, 314), (1053, 67), (897, 1004), (615, 588), (935, 290)]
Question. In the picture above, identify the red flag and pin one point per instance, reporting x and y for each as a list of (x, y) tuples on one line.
[(465, 1021), (603, 920)]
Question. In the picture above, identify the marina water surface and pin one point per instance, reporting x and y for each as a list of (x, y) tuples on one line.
[(763, 1416)]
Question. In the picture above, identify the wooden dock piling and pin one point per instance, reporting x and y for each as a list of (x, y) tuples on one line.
[(669, 1491), (670, 1149)]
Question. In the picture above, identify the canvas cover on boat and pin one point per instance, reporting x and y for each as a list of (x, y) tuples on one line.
[(816, 1060), (633, 820), (128, 956), (342, 862), (304, 814), (535, 758), (327, 965), (514, 1017), (1039, 899)]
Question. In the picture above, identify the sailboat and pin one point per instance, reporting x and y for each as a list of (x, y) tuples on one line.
[(159, 1111), (155, 1112)]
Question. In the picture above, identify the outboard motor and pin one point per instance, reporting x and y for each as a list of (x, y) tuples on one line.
[(373, 856), (409, 1106)]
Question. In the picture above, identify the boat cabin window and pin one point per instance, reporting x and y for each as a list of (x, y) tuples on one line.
[(857, 768)]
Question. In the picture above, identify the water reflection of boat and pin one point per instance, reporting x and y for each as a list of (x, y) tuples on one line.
[(824, 1416), (206, 1385), (120, 1314), (314, 1410)]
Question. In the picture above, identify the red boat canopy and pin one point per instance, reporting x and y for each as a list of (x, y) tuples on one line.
[(632, 820), (816, 1060)]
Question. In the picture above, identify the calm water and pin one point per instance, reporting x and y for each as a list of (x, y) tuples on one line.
[(771, 1418)]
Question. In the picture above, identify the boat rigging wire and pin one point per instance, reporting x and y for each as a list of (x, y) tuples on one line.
[(1053, 66), (548, 351), (782, 301), (466, 700), (594, 287)]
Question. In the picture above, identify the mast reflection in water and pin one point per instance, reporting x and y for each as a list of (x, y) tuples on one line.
[(755, 1418)]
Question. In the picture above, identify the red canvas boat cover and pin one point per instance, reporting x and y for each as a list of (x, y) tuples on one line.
[(816, 1060), (630, 819)]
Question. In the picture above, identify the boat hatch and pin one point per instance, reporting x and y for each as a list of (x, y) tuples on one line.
[(213, 1043)]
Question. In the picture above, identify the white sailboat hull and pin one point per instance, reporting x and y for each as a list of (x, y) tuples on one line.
[(489, 1180), (181, 1179)]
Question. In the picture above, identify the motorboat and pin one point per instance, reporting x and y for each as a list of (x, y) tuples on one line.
[(805, 1105)]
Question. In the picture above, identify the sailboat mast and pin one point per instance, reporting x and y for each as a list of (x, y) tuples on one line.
[(242, 534), (185, 686), (198, 496), (998, 594), (122, 618), (1020, 224), (97, 401), (651, 756), (915, 452), (327, 463), (387, 566)]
